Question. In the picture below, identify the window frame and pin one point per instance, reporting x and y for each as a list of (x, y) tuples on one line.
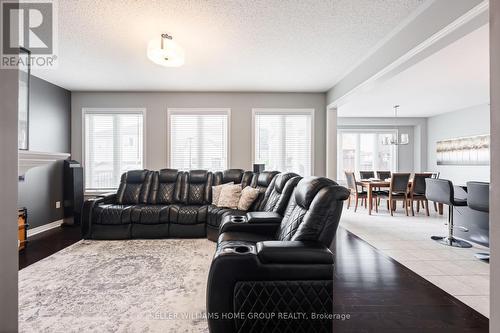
[(200, 111), (372, 130), (105, 110), (285, 111)]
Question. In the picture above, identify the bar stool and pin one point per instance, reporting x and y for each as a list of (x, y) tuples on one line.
[(441, 191), (478, 198)]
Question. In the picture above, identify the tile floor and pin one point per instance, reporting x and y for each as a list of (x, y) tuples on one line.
[(407, 240)]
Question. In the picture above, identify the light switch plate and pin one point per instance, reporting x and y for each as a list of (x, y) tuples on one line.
[(58, 204)]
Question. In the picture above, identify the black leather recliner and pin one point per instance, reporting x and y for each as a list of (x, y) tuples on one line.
[(267, 266), (110, 217), (188, 218), (150, 220)]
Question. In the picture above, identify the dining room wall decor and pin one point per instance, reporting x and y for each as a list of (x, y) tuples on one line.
[(471, 150)]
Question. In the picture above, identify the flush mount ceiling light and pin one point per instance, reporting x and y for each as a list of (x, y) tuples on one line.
[(165, 52), (398, 139)]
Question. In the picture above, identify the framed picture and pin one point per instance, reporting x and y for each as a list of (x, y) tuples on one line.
[(24, 98), (472, 150)]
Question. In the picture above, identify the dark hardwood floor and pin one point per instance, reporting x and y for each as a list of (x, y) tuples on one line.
[(379, 294), (43, 245)]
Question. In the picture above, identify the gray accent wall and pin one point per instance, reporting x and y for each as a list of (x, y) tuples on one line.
[(467, 122), (411, 157), (241, 105), (49, 131)]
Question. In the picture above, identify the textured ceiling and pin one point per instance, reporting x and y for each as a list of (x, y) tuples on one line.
[(456, 77), (231, 45)]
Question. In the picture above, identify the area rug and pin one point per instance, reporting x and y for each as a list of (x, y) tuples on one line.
[(118, 286)]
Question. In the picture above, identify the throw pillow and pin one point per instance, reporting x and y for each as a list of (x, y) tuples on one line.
[(216, 192), (248, 196), (230, 196)]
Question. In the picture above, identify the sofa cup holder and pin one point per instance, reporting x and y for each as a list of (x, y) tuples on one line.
[(238, 219), (242, 249)]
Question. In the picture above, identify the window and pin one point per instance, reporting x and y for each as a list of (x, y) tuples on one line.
[(199, 139), (113, 144), (283, 140), (363, 150)]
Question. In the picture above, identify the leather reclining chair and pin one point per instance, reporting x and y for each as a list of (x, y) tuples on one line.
[(110, 217), (270, 265)]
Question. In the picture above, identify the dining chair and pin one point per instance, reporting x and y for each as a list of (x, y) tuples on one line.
[(357, 193), (398, 191), (366, 174), (383, 175), (417, 193)]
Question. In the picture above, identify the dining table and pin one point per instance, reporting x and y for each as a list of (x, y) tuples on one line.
[(371, 184)]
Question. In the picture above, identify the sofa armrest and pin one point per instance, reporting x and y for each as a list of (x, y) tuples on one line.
[(294, 252), (105, 198), (88, 207), (264, 217), (251, 223)]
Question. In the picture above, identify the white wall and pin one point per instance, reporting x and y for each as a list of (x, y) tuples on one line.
[(466, 122), (241, 105)]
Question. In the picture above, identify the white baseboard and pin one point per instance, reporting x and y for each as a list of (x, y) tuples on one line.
[(45, 227)]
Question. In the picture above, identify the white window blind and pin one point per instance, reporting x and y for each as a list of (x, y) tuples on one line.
[(113, 145), (198, 139), (283, 141)]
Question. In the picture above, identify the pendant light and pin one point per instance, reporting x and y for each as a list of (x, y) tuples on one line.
[(396, 139)]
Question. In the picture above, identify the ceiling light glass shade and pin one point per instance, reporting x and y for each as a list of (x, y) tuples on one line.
[(402, 139), (398, 139), (165, 52)]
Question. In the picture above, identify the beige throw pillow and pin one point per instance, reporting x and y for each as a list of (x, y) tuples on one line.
[(230, 196), (216, 192), (248, 196)]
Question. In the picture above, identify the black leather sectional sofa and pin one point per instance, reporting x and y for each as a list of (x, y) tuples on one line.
[(177, 204), (272, 270)]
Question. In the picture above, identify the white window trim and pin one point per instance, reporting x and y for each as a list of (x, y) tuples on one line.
[(198, 111), (95, 110), (340, 131), (284, 111)]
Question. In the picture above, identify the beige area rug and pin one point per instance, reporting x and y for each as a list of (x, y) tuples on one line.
[(118, 286)]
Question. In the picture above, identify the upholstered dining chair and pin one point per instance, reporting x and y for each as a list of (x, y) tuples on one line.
[(417, 193), (356, 192), (366, 174), (398, 191), (383, 175)]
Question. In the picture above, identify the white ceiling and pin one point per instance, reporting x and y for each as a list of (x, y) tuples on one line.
[(238, 45), (455, 77)]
